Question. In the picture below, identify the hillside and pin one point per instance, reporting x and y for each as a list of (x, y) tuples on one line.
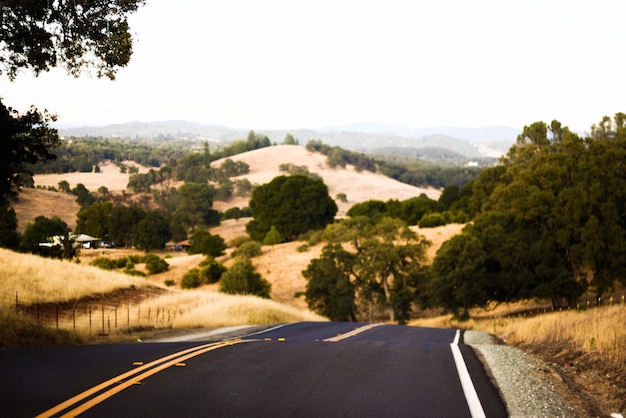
[(35, 202), (357, 186), (109, 176)]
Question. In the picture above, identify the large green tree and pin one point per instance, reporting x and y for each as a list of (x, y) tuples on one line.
[(36, 36), (40, 35), (293, 204), (25, 138), (550, 221), (196, 205), (379, 265)]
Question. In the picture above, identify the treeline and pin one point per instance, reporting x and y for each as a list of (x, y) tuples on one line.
[(84, 154), (410, 171), (550, 222), (190, 159)]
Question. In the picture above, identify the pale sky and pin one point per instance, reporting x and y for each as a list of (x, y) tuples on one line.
[(292, 64)]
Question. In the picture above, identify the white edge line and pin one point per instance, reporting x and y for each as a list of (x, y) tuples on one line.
[(475, 407)]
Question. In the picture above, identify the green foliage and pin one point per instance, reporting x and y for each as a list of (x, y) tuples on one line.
[(152, 232), (212, 270), (25, 139), (83, 197), (460, 280), (242, 278), (303, 170), (293, 204), (410, 211), (552, 213), (203, 242), (9, 237), (342, 197), (290, 140), (43, 230), (38, 36), (191, 279), (273, 237), (237, 213), (249, 249), (155, 264), (385, 269), (432, 220), (104, 263), (195, 208), (330, 291), (239, 240)]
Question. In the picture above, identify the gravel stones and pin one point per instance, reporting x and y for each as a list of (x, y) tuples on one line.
[(523, 382)]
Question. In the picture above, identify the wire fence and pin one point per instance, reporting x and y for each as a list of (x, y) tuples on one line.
[(100, 319)]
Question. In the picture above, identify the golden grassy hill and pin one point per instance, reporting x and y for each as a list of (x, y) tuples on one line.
[(264, 166), (357, 186)]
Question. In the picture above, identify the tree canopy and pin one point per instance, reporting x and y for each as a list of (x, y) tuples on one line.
[(40, 35), (292, 204), (368, 266), (550, 222)]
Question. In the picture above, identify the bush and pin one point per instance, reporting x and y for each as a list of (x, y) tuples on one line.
[(123, 262), (432, 220), (238, 241), (155, 264), (212, 270), (169, 282), (133, 272), (248, 249), (191, 279), (242, 279), (104, 263)]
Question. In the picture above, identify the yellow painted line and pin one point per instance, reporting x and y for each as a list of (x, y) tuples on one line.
[(138, 363), (64, 405), (114, 390), (352, 333)]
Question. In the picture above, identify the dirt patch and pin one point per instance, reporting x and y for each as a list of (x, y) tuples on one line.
[(586, 381)]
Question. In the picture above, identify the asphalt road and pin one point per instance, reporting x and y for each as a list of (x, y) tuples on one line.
[(297, 370)]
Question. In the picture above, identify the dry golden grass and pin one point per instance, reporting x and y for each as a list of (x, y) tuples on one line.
[(33, 203), (109, 176), (209, 309), (597, 331), (438, 236), (38, 279), (357, 186)]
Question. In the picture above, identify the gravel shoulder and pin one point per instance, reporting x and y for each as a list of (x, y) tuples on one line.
[(528, 386)]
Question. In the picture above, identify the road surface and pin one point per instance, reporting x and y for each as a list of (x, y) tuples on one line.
[(311, 369)]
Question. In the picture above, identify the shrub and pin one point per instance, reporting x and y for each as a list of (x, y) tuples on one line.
[(243, 279), (169, 282), (238, 241), (212, 270), (155, 264), (248, 249), (103, 263), (432, 220), (133, 272), (191, 279)]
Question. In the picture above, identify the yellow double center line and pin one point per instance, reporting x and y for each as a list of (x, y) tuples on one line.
[(121, 382)]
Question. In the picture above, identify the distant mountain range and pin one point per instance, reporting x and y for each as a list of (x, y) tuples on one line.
[(447, 143)]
